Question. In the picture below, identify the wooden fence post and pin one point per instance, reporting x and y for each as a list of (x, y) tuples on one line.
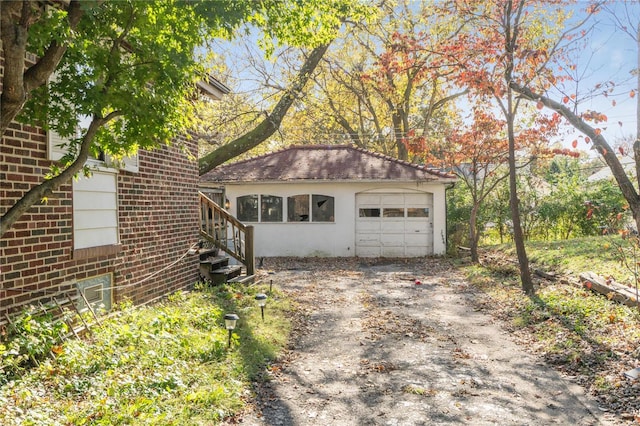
[(248, 246)]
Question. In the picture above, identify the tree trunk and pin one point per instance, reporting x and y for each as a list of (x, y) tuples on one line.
[(511, 34), (518, 236), (399, 135), (270, 124), (16, 17), (473, 233)]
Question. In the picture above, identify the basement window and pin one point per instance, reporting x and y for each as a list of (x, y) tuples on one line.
[(97, 292)]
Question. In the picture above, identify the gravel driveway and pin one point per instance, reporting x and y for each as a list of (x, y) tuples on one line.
[(374, 347)]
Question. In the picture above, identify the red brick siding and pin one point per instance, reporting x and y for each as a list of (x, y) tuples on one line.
[(158, 221)]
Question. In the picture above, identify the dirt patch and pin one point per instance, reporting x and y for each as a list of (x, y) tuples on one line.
[(373, 346)]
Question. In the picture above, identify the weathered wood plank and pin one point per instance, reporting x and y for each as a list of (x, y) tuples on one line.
[(613, 290)]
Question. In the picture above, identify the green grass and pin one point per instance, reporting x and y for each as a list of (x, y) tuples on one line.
[(598, 254), (166, 364)]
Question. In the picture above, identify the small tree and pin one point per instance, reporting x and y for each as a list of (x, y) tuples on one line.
[(506, 42)]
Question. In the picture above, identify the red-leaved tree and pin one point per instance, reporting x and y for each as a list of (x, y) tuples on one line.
[(507, 42)]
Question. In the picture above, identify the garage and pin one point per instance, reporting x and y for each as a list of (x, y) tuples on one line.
[(394, 224), (336, 201)]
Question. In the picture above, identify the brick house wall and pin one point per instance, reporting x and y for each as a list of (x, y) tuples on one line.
[(158, 215)]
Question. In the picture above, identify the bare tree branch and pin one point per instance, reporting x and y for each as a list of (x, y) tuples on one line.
[(270, 124)]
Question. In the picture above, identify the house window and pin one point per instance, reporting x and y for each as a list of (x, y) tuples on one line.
[(322, 208), (369, 212), (271, 208), (298, 208), (417, 212), (247, 208), (393, 212)]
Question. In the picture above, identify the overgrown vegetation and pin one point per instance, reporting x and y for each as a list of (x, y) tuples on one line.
[(166, 364), (558, 200)]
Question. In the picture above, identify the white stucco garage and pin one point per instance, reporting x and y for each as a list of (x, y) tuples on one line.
[(336, 201)]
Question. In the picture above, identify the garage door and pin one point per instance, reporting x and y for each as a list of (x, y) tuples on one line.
[(394, 224)]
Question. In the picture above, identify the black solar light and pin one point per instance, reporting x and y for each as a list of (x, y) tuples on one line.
[(261, 298), (230, 322)]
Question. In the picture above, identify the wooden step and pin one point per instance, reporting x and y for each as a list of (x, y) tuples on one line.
[(224, 274), (207, 266), (243, 279), (204, 254), (215, 262)]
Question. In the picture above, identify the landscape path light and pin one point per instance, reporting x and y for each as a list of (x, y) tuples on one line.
[(261, 298), (230, 322)]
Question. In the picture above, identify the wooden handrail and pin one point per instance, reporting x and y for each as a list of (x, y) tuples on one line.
[(226, 232)]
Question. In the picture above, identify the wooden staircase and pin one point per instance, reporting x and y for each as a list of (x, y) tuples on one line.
[(224, 237)]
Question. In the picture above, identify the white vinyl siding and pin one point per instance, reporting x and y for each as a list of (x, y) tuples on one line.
[(130, 164), (95, 210), (54, 149)]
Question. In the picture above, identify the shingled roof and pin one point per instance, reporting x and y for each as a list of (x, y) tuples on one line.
[(323, 163)]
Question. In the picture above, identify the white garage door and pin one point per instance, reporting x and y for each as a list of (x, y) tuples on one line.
[(394, 225)]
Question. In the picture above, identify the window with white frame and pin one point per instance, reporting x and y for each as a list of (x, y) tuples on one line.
[(310, 208), (270, 208), (97, 292), (300, 208)]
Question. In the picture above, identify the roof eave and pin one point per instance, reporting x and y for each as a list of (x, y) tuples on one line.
[(279, 181), (213, 88)]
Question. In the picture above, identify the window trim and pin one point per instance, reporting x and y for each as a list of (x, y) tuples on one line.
[(315, 208), (257, 208), (105, 281)]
